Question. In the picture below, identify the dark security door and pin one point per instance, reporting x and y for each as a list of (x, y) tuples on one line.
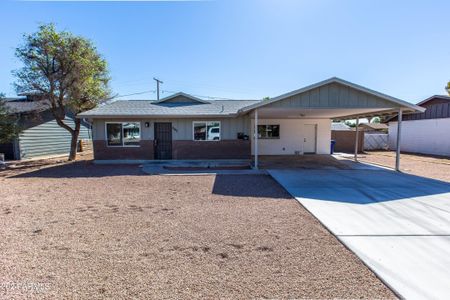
[(163, 141)]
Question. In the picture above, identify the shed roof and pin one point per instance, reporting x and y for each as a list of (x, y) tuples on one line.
[(340, 126), (434, 97), (374, 126), (23, 105)]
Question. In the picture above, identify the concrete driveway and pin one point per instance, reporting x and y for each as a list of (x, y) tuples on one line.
[(398, 224)]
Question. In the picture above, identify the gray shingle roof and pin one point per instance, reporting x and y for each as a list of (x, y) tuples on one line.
[(22, 105), (138, 108)]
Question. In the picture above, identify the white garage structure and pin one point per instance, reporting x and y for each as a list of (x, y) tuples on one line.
[(305, 116)]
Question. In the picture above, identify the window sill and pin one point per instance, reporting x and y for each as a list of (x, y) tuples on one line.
[(123, 146), (206, 140)]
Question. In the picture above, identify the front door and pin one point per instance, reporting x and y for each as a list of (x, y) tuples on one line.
[(163, 141), (309, 138)]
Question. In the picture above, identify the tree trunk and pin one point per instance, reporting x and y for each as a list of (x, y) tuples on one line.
[(74, 142)]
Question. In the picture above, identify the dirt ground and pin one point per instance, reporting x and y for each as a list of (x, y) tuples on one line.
[(421, 165), (84, 231)]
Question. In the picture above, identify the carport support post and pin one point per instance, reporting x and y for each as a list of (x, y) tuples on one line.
[(256, 139), (399, 131), (357, 138)]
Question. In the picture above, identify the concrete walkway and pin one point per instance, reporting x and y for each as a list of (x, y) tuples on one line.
[(200, 167), (398, 224)]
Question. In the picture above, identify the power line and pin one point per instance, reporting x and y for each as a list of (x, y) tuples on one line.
[(200, 96), (137, 93), (167, 91)]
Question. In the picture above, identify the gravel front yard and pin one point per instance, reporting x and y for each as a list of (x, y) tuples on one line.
[(84, 231), (421, 165)]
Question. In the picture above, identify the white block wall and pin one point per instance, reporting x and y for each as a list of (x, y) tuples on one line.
[(291, 136), (430, 136)]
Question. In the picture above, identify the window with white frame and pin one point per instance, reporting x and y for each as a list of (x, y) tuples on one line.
[(123, 134), (269, 131), (206, 130)]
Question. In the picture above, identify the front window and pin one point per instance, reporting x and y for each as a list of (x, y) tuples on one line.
[(123, 134), (206, 131), (269, 131)]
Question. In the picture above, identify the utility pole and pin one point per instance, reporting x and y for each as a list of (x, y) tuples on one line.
[(158, 82)]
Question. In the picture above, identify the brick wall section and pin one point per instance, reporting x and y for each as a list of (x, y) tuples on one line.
[(144, 152), (225, 149), (345, 141)]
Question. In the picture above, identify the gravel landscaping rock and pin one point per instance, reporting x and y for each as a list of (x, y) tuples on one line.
[(421, 165), (87, 231)]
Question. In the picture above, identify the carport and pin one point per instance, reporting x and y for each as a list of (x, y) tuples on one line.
[(299, 122)]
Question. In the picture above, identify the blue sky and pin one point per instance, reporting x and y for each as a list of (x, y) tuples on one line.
[(249, 49)]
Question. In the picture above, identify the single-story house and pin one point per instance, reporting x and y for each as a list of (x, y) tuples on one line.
[(425, 132), (41, 135), (182, 126)]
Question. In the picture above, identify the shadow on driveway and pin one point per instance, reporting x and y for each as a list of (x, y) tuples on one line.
[(357, 186), (262, 186)]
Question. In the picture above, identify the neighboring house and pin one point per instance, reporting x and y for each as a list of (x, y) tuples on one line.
[(340, 126), (345, 138), (185, 127), (374, 128), (426, 132), (40, 135)]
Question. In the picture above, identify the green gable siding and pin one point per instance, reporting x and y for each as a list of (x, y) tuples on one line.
[(333, 95), (48, 138)]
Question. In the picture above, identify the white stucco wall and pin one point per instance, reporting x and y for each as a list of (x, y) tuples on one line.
[(291, 136), (430, 136)]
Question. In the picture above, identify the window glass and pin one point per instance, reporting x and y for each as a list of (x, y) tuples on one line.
[(199, 131), (207, 131), (269, 131), (114, 134), (131, 134), (213, 131)]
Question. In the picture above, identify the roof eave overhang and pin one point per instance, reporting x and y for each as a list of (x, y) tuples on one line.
[(155, 116), (389, 112)]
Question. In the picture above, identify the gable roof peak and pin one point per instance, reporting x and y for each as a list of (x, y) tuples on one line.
[(173, 96), (340, 81), (443, 97)]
